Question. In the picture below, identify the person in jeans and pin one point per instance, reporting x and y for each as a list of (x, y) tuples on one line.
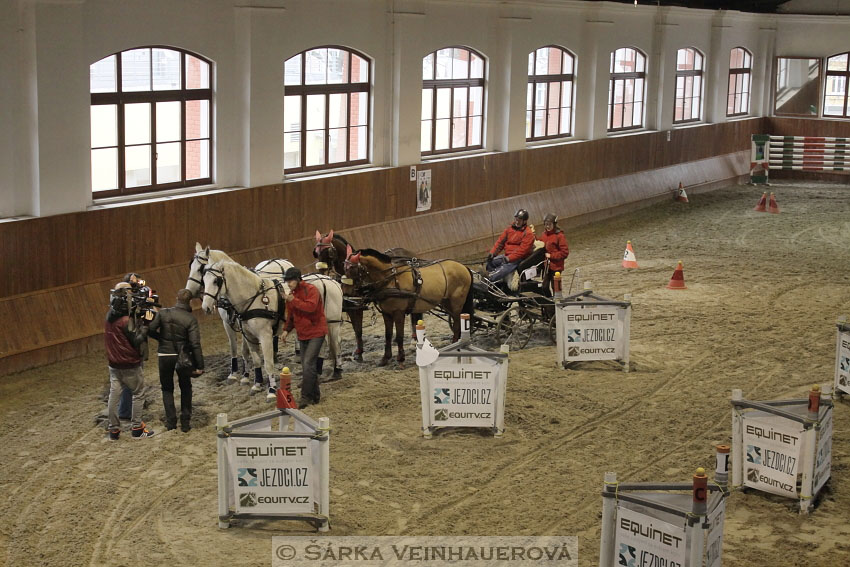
[(124, 343), (305, 314), (176, 328), (514, 245)]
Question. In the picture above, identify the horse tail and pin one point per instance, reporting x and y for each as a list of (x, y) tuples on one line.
[(468, 303)]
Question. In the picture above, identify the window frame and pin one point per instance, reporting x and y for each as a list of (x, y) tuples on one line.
[(684, 74), (327, 89), (120, 99), (612, 86), (435, 84), (837, 74), (743, 72), (548, 79)]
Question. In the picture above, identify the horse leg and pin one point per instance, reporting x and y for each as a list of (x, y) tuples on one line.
[(258, 363), (334, 349), (266, 344), (247, 357), (399, 336), (388, 339), (231, 338), (356, 317)]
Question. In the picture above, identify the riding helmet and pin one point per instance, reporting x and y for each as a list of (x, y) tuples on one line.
[(521, 214), (551, 217), (292, 274)]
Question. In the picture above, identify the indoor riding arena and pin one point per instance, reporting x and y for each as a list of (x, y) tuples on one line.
[(679, 398)]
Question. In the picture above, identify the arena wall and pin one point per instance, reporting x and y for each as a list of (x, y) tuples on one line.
[(57, 270)]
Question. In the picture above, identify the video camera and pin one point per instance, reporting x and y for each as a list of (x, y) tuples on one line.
[(138, 301)]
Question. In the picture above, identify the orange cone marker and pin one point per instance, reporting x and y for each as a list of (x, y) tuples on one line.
[(681, 196), (629, 259), (762, 206), (772, 207), (678, 279)]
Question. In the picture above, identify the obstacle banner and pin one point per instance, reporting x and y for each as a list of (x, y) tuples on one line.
[(592, 332), (463, 395), (272, 475), (842, 361), (823, 459), (643, 540), (772, 454), (714, 539)]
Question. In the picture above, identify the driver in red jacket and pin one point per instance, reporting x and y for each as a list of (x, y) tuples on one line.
[(305, 314), (514, 245)]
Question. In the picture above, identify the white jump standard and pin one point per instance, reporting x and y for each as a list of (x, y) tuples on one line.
[(280, 475), (672, 524), (590, 327), (461, 385), (776, 444)]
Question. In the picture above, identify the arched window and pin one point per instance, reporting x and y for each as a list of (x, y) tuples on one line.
[(151, 121), (627, 89), (452, 100), (326, 109), (740, 78), (549, 101), (835, 91), (689, 66)]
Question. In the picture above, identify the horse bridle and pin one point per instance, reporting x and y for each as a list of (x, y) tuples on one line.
[(203, 262), (219, 281)]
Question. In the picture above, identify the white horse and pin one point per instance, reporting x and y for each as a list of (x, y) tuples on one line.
[(267, 269), (260, 306)]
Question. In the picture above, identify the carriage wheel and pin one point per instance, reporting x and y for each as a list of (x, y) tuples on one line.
[(553, 330), (514, 328)]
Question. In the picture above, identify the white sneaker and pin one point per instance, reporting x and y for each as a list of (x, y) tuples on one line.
[(272, 395), (257, 387)]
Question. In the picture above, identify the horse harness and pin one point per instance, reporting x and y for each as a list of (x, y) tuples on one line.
[(233, 312), (378, 291)]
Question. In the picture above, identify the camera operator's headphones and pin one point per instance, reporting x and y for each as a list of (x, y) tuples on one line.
[(118, 298)]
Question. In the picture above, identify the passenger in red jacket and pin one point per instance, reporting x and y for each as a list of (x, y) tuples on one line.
[(557, 249), (305, 314), (514, 245)]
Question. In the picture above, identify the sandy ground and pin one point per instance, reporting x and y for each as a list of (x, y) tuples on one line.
[(763, 295)]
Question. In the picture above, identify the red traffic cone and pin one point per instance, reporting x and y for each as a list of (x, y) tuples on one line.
[(284, 391), (629, 259), (681, 196), (762, 206), (678, 279), (772, 206)]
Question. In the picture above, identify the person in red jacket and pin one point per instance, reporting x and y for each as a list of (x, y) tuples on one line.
[(305, 314), (514, 245), (557, 249)]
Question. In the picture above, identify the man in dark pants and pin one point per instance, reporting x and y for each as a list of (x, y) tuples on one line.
[(306, 314), (175, 328)]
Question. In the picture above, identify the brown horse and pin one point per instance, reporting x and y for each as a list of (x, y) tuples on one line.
[(400, 287), (332, 249)]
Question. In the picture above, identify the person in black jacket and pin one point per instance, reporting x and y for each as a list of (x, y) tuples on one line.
[(176, 329)]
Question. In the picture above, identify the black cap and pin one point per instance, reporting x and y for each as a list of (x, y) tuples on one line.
[(292, 274), (521, 214)]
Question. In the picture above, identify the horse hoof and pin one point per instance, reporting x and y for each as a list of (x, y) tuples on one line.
[(245, 381), (384, 362), (358, 358), (232, 378)]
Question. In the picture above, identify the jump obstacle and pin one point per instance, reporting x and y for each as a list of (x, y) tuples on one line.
[(802, 153), (461, 385), (842, 359), (279, 475), (778, 444), (591, 327), (661, 524)]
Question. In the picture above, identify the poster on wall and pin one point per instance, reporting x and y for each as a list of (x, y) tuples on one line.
[(423, 191)]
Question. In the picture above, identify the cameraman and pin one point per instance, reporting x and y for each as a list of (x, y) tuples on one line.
[(138, 288), (175, 328), (125, 342)]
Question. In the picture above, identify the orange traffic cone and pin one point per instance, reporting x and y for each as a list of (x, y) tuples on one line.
[(762, 206), (772, 206), (629, 259), (678, 279), (681, 196)]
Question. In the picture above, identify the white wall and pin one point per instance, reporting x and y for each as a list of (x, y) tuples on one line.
[(48, 46)]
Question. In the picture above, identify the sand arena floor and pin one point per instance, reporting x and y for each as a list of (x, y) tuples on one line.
[(763, 295)]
